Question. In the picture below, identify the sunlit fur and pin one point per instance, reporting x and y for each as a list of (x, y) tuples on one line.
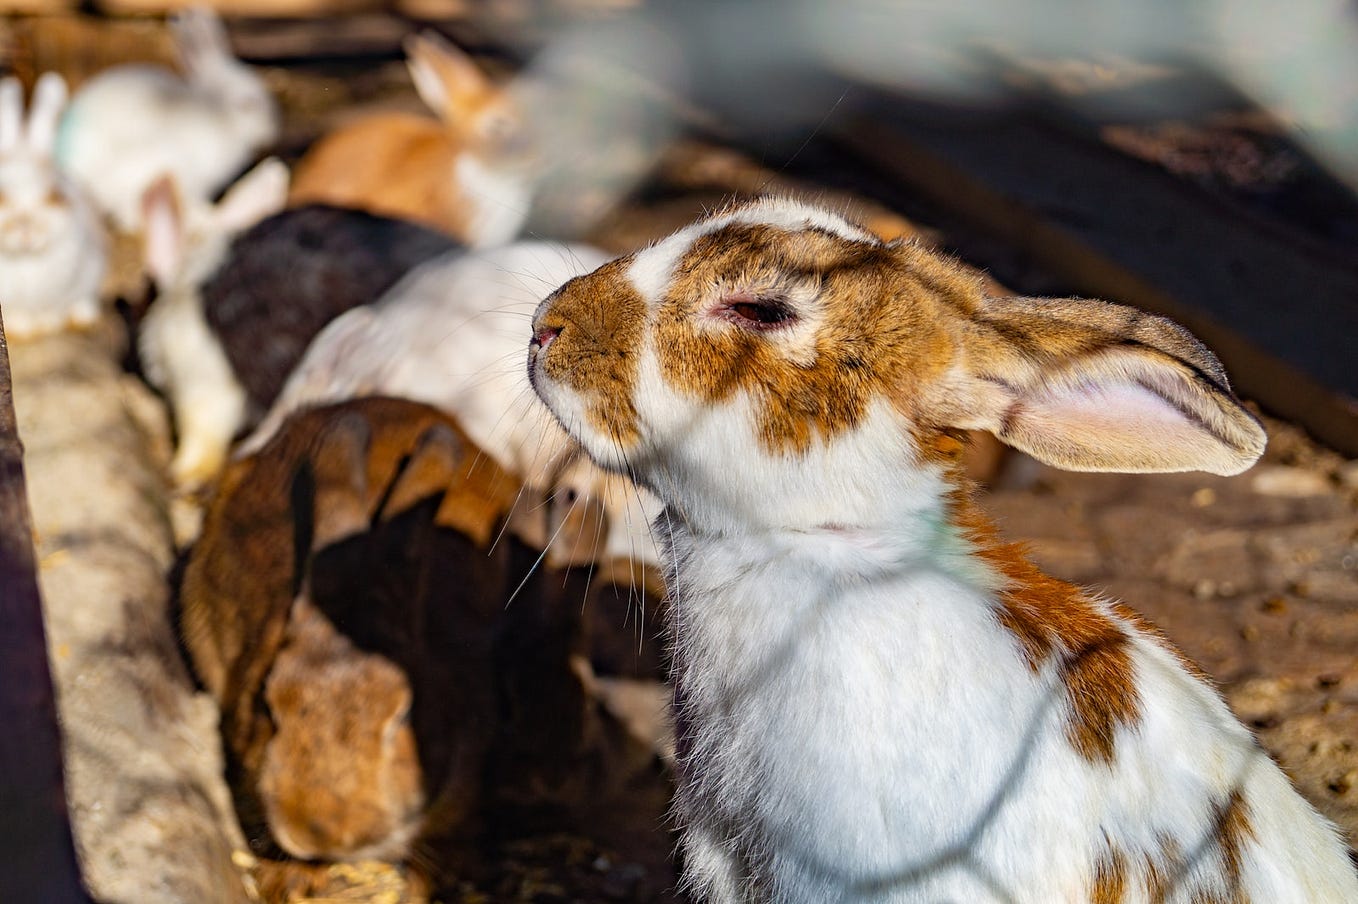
[(451, 334), (876, 699)]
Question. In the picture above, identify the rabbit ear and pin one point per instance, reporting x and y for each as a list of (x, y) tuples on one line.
[(447, 80), (199, 36), (11, 113), (163, 231), (1092, 386), (49, 99), (339, 467), (260, 193)]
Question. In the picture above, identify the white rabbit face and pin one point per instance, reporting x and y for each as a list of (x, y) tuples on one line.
[(32, 211)]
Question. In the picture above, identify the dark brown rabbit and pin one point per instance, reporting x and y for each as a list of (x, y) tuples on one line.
[(346, 606)]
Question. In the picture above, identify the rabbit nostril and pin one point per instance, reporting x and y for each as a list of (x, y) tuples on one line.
[(544, 335)]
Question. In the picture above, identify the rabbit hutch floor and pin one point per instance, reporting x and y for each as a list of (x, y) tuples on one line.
[(1255, 577)]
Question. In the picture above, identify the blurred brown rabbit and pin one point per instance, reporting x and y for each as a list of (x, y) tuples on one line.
[(346, 606), (468, 172)]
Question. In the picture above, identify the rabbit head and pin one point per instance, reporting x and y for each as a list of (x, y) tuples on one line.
[(215, 73), (778, 365), (485, 118), (52, 250), (340, 779), (35, 204)]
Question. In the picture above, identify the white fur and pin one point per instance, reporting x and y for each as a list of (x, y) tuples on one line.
[(855, 723), (131, 124), (452, 334), (52, 255), (181, 355), (499, 199)]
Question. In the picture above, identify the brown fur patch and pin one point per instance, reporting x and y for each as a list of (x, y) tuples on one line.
[(390, 164), (602, 320), (1233, 831), (873, 347), (1110, 879), (1050, 618)]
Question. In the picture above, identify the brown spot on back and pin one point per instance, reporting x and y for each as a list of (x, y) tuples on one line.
[(1110, 879), (1052, 618), (1233, 830), (390, 164)]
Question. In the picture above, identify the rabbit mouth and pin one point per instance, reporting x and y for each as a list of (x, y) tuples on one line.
[(23, 236)]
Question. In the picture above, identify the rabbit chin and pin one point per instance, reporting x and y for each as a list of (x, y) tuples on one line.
[(393, 848)]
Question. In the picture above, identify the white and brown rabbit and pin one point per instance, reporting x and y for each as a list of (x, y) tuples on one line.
[(877, 700), (468, 172), (130, 125), (52, 249)]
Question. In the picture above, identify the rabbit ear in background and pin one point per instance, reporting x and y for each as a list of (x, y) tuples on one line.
[(163, 231), (11, 113), (260, 193), (447, 80), (199, 36), (1092, 386), (49, 99)]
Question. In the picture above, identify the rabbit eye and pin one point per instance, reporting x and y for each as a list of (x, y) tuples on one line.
[(759, 313)]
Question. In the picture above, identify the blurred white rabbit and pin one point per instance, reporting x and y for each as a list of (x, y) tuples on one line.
[(185, 243), (52, 250), (453, 334), (131, 124)]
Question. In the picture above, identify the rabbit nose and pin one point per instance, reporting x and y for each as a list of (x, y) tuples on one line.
[(543, 337), (22, 234)]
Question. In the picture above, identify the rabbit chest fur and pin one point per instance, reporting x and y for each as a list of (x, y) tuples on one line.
[(876, 699), (861, 720)]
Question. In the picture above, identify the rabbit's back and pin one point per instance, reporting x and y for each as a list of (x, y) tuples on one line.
[(1069, 752), (291, 274), (390, 164)]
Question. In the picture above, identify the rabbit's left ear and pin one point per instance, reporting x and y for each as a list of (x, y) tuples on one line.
[(49, 99), (1092, 386), (11, 113), (448, 80)]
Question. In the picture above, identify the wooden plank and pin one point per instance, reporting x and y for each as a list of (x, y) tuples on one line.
[(35, 831), (1280, 309)]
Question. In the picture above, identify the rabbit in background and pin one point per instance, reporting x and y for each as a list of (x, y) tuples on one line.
[(52, 249), (185, 244), (346, 607), (130, 125), (468, 173), (451, 334), (878, 700), (290, 274)]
